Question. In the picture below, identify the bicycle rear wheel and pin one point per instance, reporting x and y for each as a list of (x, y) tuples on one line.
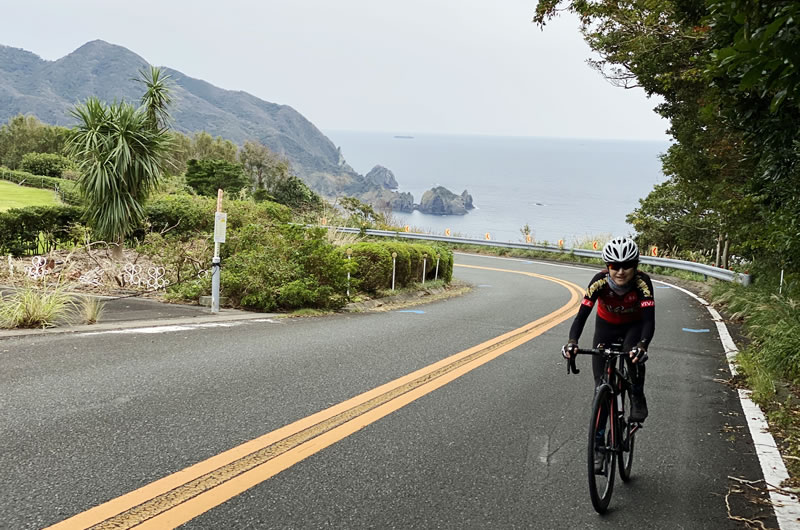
[(601, 441), (626, 456)]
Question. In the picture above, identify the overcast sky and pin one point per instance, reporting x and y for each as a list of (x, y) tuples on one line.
[(403, 66)]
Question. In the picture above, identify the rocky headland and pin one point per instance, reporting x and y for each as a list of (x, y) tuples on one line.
[(383, 177), (441, 201)]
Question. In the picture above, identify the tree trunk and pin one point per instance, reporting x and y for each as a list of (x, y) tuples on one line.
[(717, 260), (725, 252)]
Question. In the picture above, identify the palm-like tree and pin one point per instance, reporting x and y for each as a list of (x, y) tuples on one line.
[(120, 151)]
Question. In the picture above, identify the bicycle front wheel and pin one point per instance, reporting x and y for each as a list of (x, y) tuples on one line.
[(601, 455), (628, 439)]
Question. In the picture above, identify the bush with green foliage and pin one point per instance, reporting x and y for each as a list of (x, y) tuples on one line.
[(37, 229), (402, 262), (47, 164), (208, 176), (373, 266), (421, 254), (282, 267), (181, 213)]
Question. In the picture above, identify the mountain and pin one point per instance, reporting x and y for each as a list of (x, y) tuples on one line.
[(49, 89)]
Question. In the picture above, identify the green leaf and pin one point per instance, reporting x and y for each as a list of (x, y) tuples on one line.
[(751, 77), (725, 55), (773, 28), (777, 100)]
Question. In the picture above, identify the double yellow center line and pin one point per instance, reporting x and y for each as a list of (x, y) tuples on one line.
[(182, 496)]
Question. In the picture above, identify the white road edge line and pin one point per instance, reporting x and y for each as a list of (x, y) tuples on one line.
[(165, 329), (787, 507)]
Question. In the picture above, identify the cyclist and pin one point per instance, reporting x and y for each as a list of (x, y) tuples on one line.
[(625, 309)]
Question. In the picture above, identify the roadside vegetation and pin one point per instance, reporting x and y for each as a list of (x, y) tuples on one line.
[(136, 214), (769, 360)]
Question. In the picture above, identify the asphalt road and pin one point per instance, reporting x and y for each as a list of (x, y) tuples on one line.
[(86, 418)]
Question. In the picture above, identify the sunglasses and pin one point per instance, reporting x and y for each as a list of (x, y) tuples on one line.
[(615, 266)]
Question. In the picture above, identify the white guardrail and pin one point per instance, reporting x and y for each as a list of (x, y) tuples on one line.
[(699, 268)]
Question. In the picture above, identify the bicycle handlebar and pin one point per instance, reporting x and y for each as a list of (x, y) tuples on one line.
[(572, 368)]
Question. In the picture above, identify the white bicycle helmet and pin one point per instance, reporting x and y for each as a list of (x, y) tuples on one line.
[(620, 249)]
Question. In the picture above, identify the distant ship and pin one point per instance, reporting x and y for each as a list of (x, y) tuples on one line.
[(404, 137)]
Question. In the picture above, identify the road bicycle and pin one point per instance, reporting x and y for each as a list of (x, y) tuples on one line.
[(611, 433)]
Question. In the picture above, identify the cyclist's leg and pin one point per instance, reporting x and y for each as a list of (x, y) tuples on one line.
[(637, 374), (636, 371), (604, 333)]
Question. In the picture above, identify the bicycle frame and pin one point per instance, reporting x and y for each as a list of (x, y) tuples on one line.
[(614, 378)]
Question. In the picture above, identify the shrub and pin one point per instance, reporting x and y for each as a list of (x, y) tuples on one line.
[(419, 251), (403, 261), (445, 263), (282, 267), (183, 258), (373, 266), (241, 213), (409, 263), (47, 164), (37, 229)]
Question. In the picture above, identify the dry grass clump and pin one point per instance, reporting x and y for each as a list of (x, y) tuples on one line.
[(342, 239), (89, 309), (33, 307)]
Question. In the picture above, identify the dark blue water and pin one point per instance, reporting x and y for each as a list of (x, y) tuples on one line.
[(569, 189)]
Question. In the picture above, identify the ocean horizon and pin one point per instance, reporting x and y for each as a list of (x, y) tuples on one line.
[(570, 189)]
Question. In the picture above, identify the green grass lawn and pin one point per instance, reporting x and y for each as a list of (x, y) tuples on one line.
[(16, 196)]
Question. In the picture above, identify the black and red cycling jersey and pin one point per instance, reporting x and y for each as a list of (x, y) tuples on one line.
[(635, 306)]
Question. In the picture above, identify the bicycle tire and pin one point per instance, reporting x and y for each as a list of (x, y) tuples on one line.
[(601, 486), (628, 439)]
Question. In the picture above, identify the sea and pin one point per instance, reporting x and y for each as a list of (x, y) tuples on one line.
[(574, 190)]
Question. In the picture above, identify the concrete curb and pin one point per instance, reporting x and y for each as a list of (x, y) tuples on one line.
[(228, 315), (355, 307)]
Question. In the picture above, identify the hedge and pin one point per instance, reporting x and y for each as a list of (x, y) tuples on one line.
[(37, 229), (283, 267), (374, 264)]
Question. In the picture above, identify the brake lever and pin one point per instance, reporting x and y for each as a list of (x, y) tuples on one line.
[(571, 366)]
